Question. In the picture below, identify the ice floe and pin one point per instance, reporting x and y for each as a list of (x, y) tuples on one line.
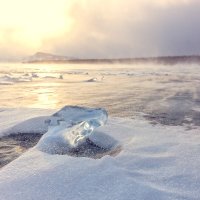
[(9, 79)]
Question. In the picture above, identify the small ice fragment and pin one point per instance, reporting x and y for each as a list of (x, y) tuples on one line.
[(61, 76)]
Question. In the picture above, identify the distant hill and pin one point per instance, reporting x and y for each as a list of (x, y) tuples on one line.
[(46, 57), (41, 57)]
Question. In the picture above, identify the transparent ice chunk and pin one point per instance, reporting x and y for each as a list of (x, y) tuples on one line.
[(70, 128), (80, 132)]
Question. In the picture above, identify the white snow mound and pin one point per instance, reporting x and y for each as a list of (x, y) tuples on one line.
[(155, 162)]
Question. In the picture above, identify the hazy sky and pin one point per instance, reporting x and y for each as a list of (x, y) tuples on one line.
[(99, 28)]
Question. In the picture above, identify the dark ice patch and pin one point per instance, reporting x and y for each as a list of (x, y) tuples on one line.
[(89, 149), (13, 145)]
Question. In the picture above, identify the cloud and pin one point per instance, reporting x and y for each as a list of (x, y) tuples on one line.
[(126, 28)]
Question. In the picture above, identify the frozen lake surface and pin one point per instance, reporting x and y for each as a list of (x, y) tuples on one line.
[(163, 94)]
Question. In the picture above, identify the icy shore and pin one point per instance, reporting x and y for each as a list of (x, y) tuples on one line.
[(154, 162)]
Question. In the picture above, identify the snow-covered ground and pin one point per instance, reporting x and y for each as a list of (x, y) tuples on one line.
[(150, 151), (153, 162)]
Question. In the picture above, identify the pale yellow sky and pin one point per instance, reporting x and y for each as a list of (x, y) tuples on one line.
[(27, 26), (28, 22)]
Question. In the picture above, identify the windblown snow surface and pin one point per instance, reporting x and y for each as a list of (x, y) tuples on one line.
[(151, 162)]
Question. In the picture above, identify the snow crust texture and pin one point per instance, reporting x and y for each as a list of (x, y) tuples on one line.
[(155, 162)]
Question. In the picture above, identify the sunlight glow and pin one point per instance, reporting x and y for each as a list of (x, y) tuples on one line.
[(31, 21)]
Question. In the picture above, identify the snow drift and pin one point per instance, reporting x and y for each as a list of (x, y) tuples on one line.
[(154, 162)]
